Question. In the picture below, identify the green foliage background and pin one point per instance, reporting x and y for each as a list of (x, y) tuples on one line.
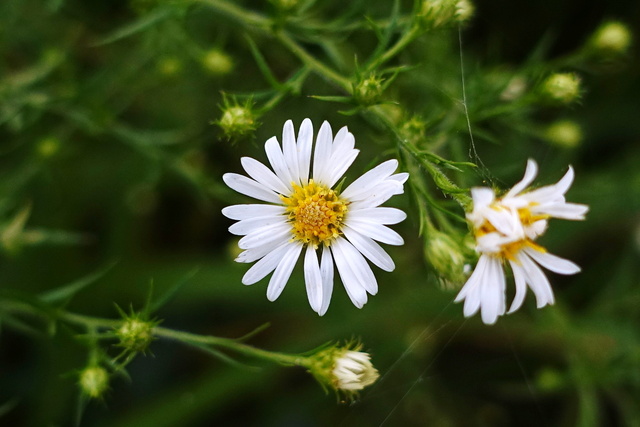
[(107, 154)]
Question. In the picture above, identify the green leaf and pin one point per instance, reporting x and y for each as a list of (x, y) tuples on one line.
[(135, 27), (66, 292), (169, 293), (262, 65)]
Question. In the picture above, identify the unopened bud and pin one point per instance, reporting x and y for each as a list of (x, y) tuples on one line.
[(369, 90), (94, 381), (217, 62), (237, 120), (135, 334), (447, 258), (612, 38), (561, 88), (439, 13), (564, 133), (346, 370)]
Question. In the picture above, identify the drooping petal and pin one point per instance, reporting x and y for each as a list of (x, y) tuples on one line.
[(376, 231), (257, 252), (266, 265), (313, 278), (283, 271), (521, 286), (537, 280), (250, 188), (493, 293), (326, 271), (370, 249), (358, 264), (553, 262), (350, 280)]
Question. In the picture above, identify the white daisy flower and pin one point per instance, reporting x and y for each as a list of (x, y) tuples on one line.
[(304, 214), (505, 229)]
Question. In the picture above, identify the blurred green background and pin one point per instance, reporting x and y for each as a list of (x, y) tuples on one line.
[(108, 154)]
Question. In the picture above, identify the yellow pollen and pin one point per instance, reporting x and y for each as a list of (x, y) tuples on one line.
[(315, 213)]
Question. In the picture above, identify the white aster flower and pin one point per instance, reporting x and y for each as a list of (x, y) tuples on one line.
[(304, 214), (505, 229), (354, 371)]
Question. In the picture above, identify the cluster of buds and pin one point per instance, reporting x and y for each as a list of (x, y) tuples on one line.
[(344, 369), (441, 13)]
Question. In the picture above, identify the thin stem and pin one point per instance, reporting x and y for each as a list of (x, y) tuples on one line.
[(312, 62), (243, 16), (406, 38)]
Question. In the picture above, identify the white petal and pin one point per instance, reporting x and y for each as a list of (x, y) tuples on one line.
[(312, 278), (283, 271), (521, 286), (359, 265), (240, 212), (338, 165), (381, 215), (380, 194), (529, 175), (350, 280), (264, 235), (571, 211), (553, 262), (266, 265), (249, 187), (401, 177), (493, 293), (369, 249), (470, 290), (369, 180), (278, 162), (326, 271), (247, 226), (343, 141), (537, 280), (322, 154), (305, 141), (290, 151), (263, 175), (257, 252), (378, 232)]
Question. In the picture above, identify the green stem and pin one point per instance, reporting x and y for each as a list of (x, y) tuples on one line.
[(239, 14), (312, 62), (406, 38)]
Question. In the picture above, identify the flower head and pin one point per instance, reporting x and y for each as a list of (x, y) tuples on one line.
[(345, 369), (305, 213), (562, 88), (94, 381), (505, 229)]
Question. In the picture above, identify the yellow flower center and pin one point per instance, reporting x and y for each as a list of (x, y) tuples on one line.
[(315, 212), (510, 250)]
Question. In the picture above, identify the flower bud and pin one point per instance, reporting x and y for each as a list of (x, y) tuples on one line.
[(611, 39), (94, 381), (237, 120), (369, 90), (439, 13), (347, 370), (413, 130), (447, 258), (217, 62), (564, 133), (48, 147), (169, 66), (561, 88), (135, 334)]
